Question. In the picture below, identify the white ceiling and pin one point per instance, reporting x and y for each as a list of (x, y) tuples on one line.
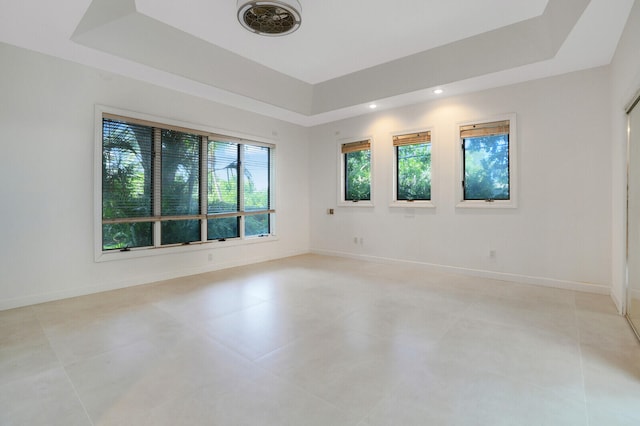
[(346, 54), (338, 37)]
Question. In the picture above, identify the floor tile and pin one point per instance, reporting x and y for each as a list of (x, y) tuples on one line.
[(208, 301), (128, 382), (259, 330), (45, 398), (265, 400), (446, 394), (319, 340), (83, 334), (609, 331), (527, 314), (24, 347), (612, 380), (543, 359), (349, 369), (590, 302), (387, 319)]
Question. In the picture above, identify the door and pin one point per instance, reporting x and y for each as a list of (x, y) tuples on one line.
[(633, 218)]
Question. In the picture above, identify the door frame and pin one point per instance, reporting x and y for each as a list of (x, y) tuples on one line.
[(635, 100)]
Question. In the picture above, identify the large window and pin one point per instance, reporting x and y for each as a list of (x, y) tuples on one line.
[(356, 171), (412, 168), (488, 163), (166, 186)]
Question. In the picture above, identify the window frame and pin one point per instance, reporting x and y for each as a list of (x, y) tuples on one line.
[(512, 202), (415, 203), (208, 134), (341, 190)]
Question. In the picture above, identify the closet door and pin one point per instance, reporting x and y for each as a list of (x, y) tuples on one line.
[(633, 220)]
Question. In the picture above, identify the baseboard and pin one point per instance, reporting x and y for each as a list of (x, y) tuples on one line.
[(502, 276), (147, 279), (618, 302)]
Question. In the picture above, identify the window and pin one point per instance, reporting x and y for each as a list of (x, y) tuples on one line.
[(488, 163), (166, 186), (412, 169), (355, 172)]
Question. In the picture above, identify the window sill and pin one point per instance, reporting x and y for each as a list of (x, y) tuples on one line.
[(134, 253), (361, 203), (423, 204), (481, 204)]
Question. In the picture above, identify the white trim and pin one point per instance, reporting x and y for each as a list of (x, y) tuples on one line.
[(512, 203), (341, 202), (430, 204), (619, 306), (138, 252), (502, 276), (424, 204), (235, 136)]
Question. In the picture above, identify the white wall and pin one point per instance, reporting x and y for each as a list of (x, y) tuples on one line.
[(47, 190), (625, 82), (559, 235)]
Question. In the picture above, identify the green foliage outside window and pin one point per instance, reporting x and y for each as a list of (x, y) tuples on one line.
[(256, 225), (126, 184), (414, 171), (222, 191), (486, 168), (358, 175), (180, 186)]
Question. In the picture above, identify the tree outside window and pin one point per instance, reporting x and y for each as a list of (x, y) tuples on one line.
[(486, 168), (180, 186), (486, 161), (413, 166), (357, 171)]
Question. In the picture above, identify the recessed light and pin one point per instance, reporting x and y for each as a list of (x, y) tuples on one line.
[(438, 91), (373, 106)]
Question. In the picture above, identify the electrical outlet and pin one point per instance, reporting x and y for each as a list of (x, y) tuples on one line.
[(492, 254), (329, 211), (355, 240), (210, 257)]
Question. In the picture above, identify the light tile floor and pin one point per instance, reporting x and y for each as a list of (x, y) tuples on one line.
[(314, 340)]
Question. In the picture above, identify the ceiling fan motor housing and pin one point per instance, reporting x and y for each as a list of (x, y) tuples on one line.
[(269, 18)]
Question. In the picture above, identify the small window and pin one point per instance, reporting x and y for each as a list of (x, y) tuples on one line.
[(356, 172), (412, 169), (488, 164)]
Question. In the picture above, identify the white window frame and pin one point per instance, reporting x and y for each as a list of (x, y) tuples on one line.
[(416, 203), (100, 255), (342, 173), (513, 166)]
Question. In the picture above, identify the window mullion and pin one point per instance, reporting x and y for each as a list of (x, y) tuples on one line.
[(157, 186), (241, 188), (204, 187)]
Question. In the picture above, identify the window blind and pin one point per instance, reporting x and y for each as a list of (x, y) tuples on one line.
[(223, 169), (256, 177), (356, 146), (180, 173), (127, 163), (412, 139), (484, 129)]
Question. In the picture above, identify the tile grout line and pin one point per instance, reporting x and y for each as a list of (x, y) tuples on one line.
[(64, 369), (582, 370)]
